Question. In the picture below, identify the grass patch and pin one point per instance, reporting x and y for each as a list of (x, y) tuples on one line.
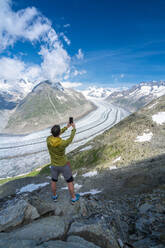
[(44, 171)]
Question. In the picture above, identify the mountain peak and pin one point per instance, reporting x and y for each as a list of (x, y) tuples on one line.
[(54, 85)]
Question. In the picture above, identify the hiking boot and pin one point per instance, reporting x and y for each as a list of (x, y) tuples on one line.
[(77, 197), (54, 197)]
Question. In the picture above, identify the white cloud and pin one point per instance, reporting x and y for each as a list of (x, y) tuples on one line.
[(122, 75), (30, 25), (80, 54), (67, 84), (76, 72), (55, 62), (15, 69), (24, 24), (65, 38), (66, 25), (11, 68)]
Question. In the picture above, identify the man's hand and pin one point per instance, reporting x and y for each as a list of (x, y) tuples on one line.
[(68, 125), (73, 125)]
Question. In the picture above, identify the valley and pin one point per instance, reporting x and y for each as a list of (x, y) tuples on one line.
[(20, 154)]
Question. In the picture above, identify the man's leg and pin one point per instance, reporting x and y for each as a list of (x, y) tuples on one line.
[(53, 187), (54, 174), (71, 189), (67, 173)]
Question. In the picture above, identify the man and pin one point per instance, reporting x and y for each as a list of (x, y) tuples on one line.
[(59, 161)]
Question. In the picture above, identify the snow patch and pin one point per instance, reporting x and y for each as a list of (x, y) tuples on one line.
[(117, 159), (31, 187), (113, 167), (90, 174), (159, 118), (145, 137), (75, 174), (76, 186), (92, 192), (61, 98), (151, 106)]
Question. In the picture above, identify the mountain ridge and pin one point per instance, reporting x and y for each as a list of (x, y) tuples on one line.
[(45, 105), (138, 96)]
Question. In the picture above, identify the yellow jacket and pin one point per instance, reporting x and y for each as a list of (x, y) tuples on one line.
[(56, 147)]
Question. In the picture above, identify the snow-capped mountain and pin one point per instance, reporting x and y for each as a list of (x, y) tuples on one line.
[(55, 85), (138, 96), (98, 92), (46, 104), (13, 91)]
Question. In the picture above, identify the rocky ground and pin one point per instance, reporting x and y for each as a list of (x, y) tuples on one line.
[(129, 211)]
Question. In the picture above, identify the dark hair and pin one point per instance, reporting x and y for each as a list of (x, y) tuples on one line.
[(55, 130)]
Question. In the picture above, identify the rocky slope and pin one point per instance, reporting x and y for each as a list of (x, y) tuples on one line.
[(120, 176), (139, 136), (47, 104), (117, 208), (138, 96)]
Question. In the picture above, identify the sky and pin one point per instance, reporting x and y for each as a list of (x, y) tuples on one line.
[(82, 42)]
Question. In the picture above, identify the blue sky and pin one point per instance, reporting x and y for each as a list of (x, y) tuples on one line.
[(108, 43)]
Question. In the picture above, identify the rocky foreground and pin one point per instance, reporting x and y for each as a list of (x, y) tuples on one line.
[(129, 211)]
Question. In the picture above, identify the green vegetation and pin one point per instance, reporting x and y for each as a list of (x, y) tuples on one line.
[(44, 171)]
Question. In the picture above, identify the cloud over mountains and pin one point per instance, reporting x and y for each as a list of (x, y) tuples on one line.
[(30, 25)]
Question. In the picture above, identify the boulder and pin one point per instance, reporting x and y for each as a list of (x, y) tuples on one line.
[(43, 207), (14, 243), (62, 244), (81, 241), (95, 232), (145, 207), (15, 214), (42, 230)]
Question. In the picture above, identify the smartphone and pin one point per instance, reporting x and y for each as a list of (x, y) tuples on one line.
[(70, 120)]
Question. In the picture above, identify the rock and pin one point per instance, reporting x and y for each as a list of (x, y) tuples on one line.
[(144, 224), (81, 241), (13, 243), (76, 242), (15, 214), (147, 243), (157, 246), (95, 232), (42, 206), (64, 208), (145, 207), (42, 230)]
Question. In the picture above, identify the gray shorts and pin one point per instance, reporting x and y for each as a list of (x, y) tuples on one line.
[(65, 170)]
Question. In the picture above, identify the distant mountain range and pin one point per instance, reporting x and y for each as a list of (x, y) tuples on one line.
[(13, 91), (48, 103), (138, 96), (99, 92)]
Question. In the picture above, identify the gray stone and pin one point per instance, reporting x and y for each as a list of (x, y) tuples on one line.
[(42, 230), (96, 233), (143, 224), (13, 243), (158, 246), (147, 242), (144, 208), (42, 206), (64, 208), (79, 240), (15, 214), (62, 244)]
